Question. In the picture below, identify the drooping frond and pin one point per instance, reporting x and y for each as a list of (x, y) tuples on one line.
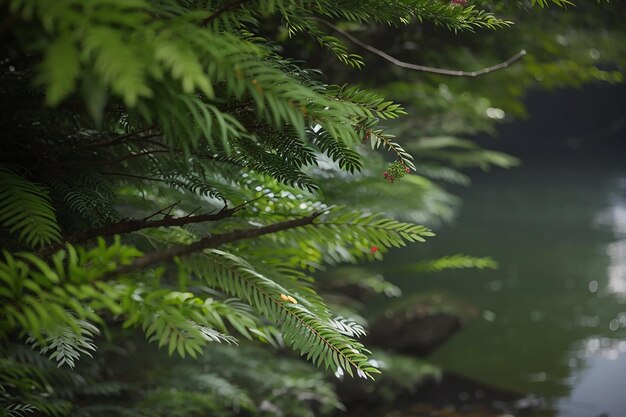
[(346, 158), (318, 340), (90, 197), (26, 210), (65, 346)]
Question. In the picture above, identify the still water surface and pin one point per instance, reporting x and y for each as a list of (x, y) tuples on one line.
[(552, 318)]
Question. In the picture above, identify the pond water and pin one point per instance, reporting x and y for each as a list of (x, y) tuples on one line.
[(552, 318)]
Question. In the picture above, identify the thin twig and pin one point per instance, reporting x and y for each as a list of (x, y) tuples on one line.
[(116, 140), (422, 68), (139, 177), (135, 155), (152, 142), (246, 203), (225, 8), (170, 207)]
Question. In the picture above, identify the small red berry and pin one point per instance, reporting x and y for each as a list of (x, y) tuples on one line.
[(374, 249), (407, 170)]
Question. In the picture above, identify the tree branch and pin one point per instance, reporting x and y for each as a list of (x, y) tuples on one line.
[(130, 225), (136, 155), (213, 242), (221, 10), (422, 68), (133, 225), (116, 140), (139, 177)]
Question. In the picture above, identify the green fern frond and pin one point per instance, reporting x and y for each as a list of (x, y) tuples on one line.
[(457, 261), (41, 298), (257, 158), (338, 151), (361, 278), (347, 327), (169, 327), (224, 391), (65, 345), (442, 173), (90, 197), (301, 329), (460, 153), (20, 410), (373, 104), (26, 209), (60, 69), (347, 236), (378, 138)]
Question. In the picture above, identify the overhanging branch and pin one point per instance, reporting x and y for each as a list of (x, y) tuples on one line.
[(223, 9), (132, 225), (423, 68), (213, 242)]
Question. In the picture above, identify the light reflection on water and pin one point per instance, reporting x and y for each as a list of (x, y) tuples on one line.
[(599, 363), (614, 217), (553, 317), (598, 386)]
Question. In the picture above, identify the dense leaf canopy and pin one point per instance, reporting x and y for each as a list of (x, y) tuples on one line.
[(165, 171)]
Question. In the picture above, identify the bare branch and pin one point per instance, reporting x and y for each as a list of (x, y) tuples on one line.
[(129, 226), (221, 10), (160, 211), (422, 68), (213, 242), (116, 140), (135, 155)]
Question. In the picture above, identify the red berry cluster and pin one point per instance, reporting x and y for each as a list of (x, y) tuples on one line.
[(459, 2), (395, 171)]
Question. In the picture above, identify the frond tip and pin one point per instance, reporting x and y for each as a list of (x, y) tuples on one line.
[(65, 345)]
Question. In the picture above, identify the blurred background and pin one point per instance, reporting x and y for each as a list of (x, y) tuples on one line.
[(528, 171)]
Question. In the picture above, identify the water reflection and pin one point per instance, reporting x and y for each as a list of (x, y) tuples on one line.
[(553, 317), (617, 269), (614, 217), (597, 380), (599, 363)]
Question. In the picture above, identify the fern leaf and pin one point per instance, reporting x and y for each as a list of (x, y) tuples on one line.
[(65, 345), (60, 69), (302, 330), (457, 261), (26, 209), (20, 410)]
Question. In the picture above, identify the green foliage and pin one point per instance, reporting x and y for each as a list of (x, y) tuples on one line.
[(25, 208), (457, 261), (321, 342), (66, 345), (175, 183), (545, 3)]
